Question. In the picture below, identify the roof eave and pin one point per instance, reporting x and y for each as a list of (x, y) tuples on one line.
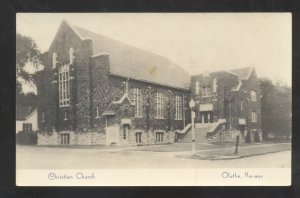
[(148, 81)]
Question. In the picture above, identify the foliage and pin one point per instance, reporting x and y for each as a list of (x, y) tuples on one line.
[(276, 109), (248, 138), (26, 53), (256, 137), (28, 99), (25, 138)]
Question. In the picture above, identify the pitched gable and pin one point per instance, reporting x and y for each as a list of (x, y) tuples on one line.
[(22, 112), (132, 62), (243, 73)]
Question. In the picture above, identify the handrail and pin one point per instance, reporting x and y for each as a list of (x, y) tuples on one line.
[(186, 128)]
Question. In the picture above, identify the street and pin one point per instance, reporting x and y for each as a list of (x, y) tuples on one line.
[(33, 157)]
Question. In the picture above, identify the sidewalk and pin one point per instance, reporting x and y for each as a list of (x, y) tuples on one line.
[(243, 151)]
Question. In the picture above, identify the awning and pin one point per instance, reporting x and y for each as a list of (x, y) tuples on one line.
[(108, 113), (206, 107)]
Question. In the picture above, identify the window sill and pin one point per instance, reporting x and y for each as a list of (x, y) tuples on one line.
[(178, 119), (138, 116), (159, 118), (64, 106)]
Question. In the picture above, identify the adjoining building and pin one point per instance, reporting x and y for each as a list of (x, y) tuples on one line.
[(96, 90), (227, 104), (26, 119)]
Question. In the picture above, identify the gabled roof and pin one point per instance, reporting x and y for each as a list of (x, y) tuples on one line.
[(237, 87), (22, 112), (124, 97), (132, 62), (242, 73)]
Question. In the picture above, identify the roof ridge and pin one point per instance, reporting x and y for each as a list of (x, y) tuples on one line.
[(123, 43), (241, 68)]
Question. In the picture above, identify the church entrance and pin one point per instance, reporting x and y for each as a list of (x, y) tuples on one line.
[(206, 117)]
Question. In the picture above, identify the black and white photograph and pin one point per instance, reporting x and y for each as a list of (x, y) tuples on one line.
[(153, 99)]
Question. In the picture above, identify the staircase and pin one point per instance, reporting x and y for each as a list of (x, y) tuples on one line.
[(201, 132)]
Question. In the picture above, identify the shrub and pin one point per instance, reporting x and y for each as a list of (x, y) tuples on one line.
[(256, 137), (248, 138), (25, 138)]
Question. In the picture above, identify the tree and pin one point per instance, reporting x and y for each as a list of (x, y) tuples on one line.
[(275, 109), (27, 52), (28, 99)]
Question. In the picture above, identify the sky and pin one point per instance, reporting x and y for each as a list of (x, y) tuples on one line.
[(198, 42)]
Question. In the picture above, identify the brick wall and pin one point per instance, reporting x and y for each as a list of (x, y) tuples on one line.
[(253, 84), (225, 81), (221, 106), (92, 86), (78, 113)]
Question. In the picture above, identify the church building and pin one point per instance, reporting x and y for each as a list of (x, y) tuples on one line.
[(95, 90)]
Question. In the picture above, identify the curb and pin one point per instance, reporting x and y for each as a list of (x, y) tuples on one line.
[(229, 157)]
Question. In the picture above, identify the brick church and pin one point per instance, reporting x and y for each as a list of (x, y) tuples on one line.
[(98, 91)]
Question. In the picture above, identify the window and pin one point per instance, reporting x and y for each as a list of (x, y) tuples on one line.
[(159, 136), (197, 87), (206, 91), (215, 86), (43, 117), (253, 96), (65, 138), (125, 87), (97, 112), (137, 100), (242, 107), (66, 117), (254, 116), (138, 137), (71, 54), (125, 131), (64, 86), (54, 60), (27, 127), (178, 107), (159, 98)]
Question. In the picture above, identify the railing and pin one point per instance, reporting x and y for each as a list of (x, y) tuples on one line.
[(216, 129), (186, 128)]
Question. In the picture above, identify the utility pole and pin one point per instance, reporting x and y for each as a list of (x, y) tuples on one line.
[(230, 115), (192, 105)]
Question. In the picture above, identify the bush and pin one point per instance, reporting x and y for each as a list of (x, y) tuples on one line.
[(248, 138), (25, 138), (256, 137)]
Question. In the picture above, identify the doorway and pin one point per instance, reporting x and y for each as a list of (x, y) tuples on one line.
[(206, 117), (176, 136), (65, 138), (125, 130), (242, 130)]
